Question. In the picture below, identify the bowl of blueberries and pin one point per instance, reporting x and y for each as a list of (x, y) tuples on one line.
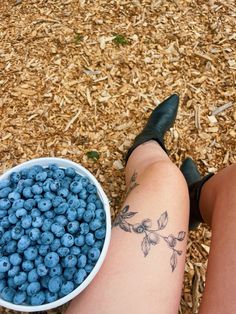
[(55, 229)]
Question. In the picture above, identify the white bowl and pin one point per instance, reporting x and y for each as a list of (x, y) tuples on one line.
[(64, 163)]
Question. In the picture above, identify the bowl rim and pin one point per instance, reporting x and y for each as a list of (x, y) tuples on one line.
[(44, 162)]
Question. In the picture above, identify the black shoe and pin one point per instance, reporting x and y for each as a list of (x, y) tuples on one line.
[(160, 121), (195, 184)]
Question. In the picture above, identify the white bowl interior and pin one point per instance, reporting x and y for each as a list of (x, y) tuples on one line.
[(64, 163)]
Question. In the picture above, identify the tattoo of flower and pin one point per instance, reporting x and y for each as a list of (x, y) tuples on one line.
[(151, 237), (133, 183)]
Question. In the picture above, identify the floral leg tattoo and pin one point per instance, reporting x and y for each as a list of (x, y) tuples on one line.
[(151, 236), (133, 183)]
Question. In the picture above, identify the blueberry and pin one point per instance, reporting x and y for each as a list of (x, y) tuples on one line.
[(83, 194), (3, 284), (27, 193), (37, 168), (89, 239), (27, 182), (61, 209), (13, 196), (55, 284), (73, 227), (15, 177), (13, 271), (54, 186), (41, 176), (8, 294), (17, 233), (67, 240), (50, 296), (82, 261), (50, 214), (33, 275), (3, 213), (21, 212), (11, 283), (37, 189), (18, 204), (84, 249), (19, 297), (27, 266), (100, 233), (31, 253), (57, 201), (26, 221), (62, 220), (23, 287), (7, 236), (57, 229), (75, 250), (80, 240), (63, 251), (5, 192), (84, 228), (51, 259), (34, 234), (38, 260), (63, 192), (44, 281), (95, 224), (59, 174), (91, 206), (46, 185), (88, 268), (100, 214), (80, 213), (44, 249), (71, 214), (4, 204), (67, 287), (84, 181), (47, 237), (20, 278), (12, 219), (92, 198), (70, 172), (94, 254), (99, 204), (42, 270), (88, 215), (76, 187), (1, 231), (70, 261), (55, 271), (4, 264), (4, 183), (33, 288), (82, 203), (49, 195), (11, 247), (79, 276), (38, 197), (44, 204), (69, 273), (29, 204), (37, 222), (35, 212), (91, 188), (55, 245), (15, 259), (73, 201)]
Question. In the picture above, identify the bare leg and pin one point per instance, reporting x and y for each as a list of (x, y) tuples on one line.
[(218, 208), (143, 271)]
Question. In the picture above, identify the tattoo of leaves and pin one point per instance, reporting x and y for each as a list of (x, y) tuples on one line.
[(133, 183), (151, 237)]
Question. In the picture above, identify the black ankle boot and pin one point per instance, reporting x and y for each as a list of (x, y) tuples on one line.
[(195, 184), (160, 121)]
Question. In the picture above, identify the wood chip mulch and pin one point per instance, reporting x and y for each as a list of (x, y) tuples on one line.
[(80, 76)]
